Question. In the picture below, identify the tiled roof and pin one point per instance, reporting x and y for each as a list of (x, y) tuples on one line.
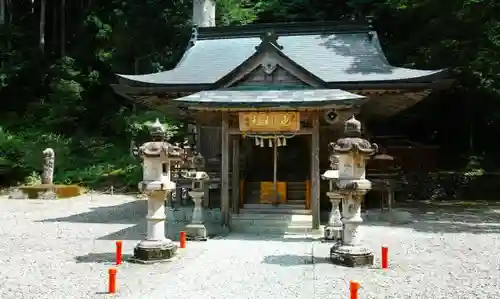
[(266, 98), (332, 56)]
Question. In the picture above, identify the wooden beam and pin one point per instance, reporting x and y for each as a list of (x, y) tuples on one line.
[(225, 171), (236, 174), (315, 176)]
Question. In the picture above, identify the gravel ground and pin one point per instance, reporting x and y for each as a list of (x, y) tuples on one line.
[(447, 254)]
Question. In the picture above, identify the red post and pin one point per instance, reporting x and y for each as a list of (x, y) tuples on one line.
[(119, 252), (353, 289), (183, 239), (385, 257), (112, 280)]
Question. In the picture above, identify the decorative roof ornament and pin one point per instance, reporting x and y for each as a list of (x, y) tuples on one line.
[(158, 147), (352, 127), (157, 130), (352, 141), (269, 38), (194, 36)]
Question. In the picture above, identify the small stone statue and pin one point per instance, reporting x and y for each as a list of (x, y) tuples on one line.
[(48, 166)]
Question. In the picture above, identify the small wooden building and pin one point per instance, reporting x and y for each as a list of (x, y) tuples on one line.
[(266, 100)]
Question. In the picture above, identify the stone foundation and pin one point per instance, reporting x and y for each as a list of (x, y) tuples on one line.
[(152, 252), (196, 232), (179, 220), (349, 256), (185, 214)]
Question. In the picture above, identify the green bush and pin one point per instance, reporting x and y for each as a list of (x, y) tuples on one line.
[(89, 162)]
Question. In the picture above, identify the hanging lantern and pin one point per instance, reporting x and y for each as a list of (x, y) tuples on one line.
[(261, 142), (279, 141), (270, 142), (284, 141), (257, 142)]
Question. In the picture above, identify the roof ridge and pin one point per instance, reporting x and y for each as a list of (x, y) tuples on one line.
[(290, 28)]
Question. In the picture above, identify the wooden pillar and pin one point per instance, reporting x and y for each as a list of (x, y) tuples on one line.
[(315, 172), (224, 173), (236, 174)]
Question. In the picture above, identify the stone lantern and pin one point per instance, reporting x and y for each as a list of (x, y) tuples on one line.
[(157, 157), (196, 230), (352, 152), (333, 230)]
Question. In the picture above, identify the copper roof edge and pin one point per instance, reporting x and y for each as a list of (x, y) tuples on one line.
[(288, 28)]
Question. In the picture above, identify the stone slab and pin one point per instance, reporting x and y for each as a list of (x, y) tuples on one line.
[(154, 254), (349, 259), (196, 232)]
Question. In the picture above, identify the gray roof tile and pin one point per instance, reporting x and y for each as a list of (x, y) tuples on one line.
[(257, 98), (334, 58)]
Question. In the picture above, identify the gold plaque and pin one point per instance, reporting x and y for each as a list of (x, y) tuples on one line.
[(269, 121)]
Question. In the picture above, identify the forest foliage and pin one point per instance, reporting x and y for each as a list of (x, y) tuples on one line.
[(58, 59)]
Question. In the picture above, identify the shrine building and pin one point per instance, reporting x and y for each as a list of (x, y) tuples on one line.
[(266, 99)]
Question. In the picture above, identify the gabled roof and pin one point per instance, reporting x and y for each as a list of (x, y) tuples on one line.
[(331, 52), (271, 98)]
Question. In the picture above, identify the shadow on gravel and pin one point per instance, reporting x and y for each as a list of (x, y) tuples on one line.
[(450, 217), (126, 213), (102, 257), (133, 212), (288, 260)]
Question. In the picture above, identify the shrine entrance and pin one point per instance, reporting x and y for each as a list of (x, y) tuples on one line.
[(276, 170)]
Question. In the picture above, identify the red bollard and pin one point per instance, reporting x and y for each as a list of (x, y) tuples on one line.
[(385, 257), (353, 289), (112, 280), (183, 239), (119, 252)]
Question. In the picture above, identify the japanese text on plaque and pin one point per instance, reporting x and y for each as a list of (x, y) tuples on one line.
[(269, 121)]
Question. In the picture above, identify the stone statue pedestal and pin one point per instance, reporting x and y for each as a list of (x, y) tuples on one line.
[(351, 256), (351, 253), (333, 230), (155, 248), (196, 230)]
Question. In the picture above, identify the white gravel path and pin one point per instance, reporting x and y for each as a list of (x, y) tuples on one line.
[(69, 258)]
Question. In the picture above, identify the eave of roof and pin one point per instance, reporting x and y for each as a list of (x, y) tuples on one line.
[(271, 98)]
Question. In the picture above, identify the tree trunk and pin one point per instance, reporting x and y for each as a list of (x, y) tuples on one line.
[(2, 11), (63, 28), (9, 11), (54, 33), (41, 44)]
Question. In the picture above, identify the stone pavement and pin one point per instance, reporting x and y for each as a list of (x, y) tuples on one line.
[(243, 266), (62, 250)]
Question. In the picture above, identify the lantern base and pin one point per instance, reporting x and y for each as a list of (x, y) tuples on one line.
[(332, 234), (351, 256), (196, 232), (149, 252)]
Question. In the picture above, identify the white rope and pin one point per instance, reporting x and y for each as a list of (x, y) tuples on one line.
[(279, 138)]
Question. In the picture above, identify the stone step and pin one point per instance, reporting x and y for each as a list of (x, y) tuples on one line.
[(301, 201), (260, 223), (262, 230), (278, 208), (285, 218), (272, 211)]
